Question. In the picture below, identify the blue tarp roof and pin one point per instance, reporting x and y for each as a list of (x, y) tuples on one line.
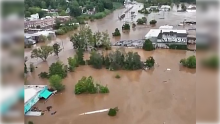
[(45, 94)]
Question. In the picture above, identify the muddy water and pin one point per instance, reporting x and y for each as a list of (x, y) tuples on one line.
[(155, 96)]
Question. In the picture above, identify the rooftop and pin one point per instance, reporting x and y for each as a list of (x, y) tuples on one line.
[(156, 32), (32, 90), (165, 6)]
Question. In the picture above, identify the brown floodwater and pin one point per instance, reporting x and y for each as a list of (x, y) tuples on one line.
[(154, 96)]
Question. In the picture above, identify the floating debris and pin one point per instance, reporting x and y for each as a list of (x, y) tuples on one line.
[(93, 112)]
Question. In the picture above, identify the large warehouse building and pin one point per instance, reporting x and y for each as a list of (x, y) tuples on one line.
[(167, 35)]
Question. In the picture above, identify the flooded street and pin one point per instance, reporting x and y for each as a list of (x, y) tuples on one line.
[(153, 97)]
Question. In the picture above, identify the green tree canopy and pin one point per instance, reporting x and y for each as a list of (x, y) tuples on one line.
[(148, 46), (190, 62), (43, 52), (58, 68), (55, 82)]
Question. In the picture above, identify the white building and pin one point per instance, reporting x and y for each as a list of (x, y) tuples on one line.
[(34, 16), (161, 37)]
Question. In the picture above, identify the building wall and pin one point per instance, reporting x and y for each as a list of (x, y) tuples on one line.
[(172, 39), (41, 23)]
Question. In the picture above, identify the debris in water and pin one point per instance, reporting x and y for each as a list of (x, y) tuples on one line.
[(92, 112), (54, 113)]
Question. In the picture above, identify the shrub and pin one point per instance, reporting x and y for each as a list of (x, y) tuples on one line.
[(57, 69), (148, 46), (144, 19), (150, 62), (132, 61), (72, 63), (117, 76), (140, 22), (96, 60), (43, 75), (126, 27), (102, 89), (190, 62), (153, 22), (55, 82), (86, 85), (116, 33), (113, 111)]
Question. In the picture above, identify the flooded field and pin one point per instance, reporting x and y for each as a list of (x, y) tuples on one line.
[(153, 97)]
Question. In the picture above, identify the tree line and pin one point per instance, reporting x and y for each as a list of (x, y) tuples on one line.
[(77, 7)]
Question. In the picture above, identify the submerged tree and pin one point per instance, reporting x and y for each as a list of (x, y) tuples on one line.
[(150, 62), (73, 63), (43, 52), (105, 41), (153, 22), (80, 57), (55, 82), (148, 46), (82, 39), (88, 85), (58, 68), (96, 60), (190, 62), (113, 111), (56, 49), (85, 38), (126, 27), (132, 61), (116, 33)]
